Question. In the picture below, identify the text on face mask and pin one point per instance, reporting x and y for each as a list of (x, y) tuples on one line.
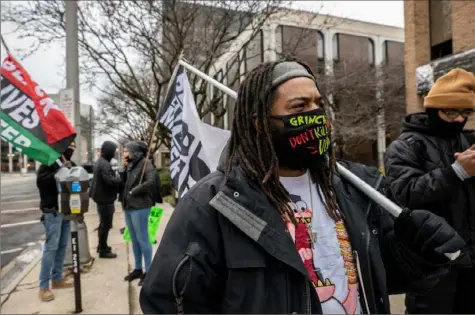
[(308, 120)]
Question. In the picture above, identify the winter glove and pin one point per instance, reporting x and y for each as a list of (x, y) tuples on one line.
[(427, 235)]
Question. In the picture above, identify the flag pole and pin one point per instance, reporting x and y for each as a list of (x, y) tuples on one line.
[(9, 52), (5, 45), (172, 78), (372, 193)]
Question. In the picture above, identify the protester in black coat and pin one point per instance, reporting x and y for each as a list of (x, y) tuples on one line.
[(57, 229), (432, 166), (276, 230), (104, 190)]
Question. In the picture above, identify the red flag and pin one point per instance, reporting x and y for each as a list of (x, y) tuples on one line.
[(18, 91)]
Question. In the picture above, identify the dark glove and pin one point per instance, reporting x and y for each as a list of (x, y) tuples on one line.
[(427, 235)]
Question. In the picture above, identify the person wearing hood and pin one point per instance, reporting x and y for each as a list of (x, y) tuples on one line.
[(104, 190), (139, 180), (432, 166), (57, 229), (276, 230)]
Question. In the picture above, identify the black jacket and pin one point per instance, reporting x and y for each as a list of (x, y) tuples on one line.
[(47, 186), (225, 250), (418, 167), (105, 185), (136, 194)]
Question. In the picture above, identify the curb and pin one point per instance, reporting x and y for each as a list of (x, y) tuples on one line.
[(12, 285)]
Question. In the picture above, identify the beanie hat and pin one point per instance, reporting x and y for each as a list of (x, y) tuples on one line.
[(286, 70), (455, 89)]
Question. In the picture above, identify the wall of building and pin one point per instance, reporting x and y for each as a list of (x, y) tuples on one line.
[(429, 23)]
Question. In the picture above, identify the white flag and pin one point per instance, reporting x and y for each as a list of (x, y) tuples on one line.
[(196, 146)]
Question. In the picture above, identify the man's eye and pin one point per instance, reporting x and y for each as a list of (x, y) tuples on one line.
[(299, 105)]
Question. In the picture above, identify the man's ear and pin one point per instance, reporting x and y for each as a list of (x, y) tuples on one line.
[(255, 122)]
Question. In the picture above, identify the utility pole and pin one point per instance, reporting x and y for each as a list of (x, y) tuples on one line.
[(72, 70)]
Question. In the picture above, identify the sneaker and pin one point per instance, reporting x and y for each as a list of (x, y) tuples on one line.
[(142, 279), (136, 274), (46, 295), (62, 284), (108, 255)]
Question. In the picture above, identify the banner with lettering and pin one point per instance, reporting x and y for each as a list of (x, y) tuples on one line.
[(196, 146), (30, 120)]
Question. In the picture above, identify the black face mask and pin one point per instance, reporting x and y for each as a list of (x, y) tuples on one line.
[(68, 154), (442, 128), (304, 140)]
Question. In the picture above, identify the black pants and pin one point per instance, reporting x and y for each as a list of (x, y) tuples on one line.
[(454, 294), (106, 215)]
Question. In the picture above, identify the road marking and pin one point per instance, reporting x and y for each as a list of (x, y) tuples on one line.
[(19, 223), (13, 250), (18, 201), (19, 210)]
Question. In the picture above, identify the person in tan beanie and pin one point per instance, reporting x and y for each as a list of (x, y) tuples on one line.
[(432, 166)]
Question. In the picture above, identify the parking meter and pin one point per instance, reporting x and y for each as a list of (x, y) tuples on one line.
[(73, 186)]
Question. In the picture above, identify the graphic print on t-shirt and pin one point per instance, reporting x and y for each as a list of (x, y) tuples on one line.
[(329, 260)]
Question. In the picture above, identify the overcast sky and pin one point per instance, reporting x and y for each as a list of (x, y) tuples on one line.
[(47, 66)]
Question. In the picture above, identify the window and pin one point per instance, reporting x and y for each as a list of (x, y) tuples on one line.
[(233, 77), (302, 43), (254, 52), (217, 102), (371, 52), (440, 20), (336, 47), (320, 47), (165, 159)]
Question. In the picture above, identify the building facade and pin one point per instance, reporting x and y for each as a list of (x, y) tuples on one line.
[(326, 43), (439, 36)]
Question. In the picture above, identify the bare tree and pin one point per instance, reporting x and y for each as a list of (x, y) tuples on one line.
[(128, 49), (359, 92)]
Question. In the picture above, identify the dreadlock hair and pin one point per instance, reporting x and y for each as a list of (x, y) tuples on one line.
[(251, 144)]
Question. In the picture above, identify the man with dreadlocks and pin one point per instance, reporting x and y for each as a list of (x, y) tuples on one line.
[(276, 230)]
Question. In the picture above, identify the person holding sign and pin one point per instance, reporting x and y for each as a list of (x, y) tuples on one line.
[(432, 166), (276, 230), (56, 228)]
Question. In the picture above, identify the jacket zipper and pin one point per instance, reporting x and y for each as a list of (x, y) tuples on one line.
[(358, 267), (179, 296)]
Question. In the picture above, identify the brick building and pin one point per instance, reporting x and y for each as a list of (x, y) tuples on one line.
[(439, 36)]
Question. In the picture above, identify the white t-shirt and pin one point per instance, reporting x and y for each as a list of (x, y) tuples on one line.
[(334, 271)]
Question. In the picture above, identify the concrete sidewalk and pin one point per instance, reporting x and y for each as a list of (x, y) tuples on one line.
[(104, 290)]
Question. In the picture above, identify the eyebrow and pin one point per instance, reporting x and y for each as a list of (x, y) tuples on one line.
[(303, 98)]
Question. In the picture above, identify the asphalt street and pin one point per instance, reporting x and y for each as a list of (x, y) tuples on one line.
[(20, 230)]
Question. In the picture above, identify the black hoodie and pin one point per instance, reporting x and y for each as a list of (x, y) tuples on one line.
[(418, 167), (105, 186)]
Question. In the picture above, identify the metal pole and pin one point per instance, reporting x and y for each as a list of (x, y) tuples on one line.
[(76, 266), (369, 191), (72, 69), (10, 157), (72, 82)]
